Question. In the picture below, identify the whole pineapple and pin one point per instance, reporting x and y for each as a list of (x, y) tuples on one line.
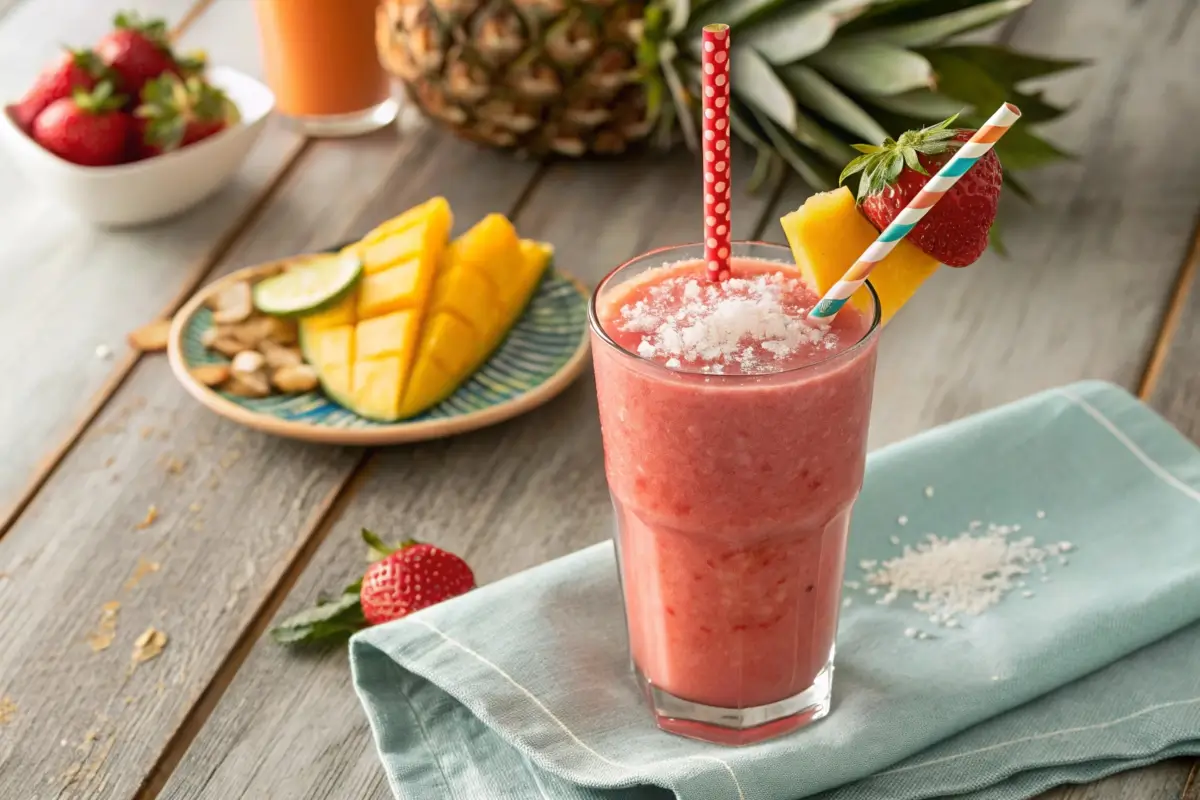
[(809, 77)]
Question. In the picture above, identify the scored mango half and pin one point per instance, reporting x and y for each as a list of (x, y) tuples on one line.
[(827, 235), (426, 313)]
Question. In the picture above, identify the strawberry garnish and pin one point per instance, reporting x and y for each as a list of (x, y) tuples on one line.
[(955, 231), (86, 128), (137, 50), (401, 580), (176, 112), (77, 69)]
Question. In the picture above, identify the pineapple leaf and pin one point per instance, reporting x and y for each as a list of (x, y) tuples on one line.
[(684, 111), (1018, 188), (966, 81), (1021, 149), (815, 92), (746, 127), (919, 104), (1035, 108), (680, 11), (733, 13), (1010, 67), (939, 28), (815, 171), (754, 80), (792, 35), (874, 68), (763, 167)]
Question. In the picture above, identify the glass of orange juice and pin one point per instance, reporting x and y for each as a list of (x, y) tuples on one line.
[(322, 64)]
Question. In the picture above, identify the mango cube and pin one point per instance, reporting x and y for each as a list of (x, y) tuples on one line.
[(828, 233)]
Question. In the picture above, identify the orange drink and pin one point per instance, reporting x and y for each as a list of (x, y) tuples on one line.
[(321, 62)]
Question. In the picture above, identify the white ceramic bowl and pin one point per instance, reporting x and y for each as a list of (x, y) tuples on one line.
[(145, 191)]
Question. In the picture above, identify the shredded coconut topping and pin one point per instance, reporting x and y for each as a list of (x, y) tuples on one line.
[(965, 575), (746, 325)]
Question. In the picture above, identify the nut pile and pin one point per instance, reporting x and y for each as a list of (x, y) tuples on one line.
[(264, 357)]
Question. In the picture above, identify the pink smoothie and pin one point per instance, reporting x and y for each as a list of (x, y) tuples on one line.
[(734, 441)]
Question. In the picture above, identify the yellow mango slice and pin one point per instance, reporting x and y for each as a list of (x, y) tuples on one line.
[(470, 294), (828, 233), (338, 382), (390, 335), (488, 278), (341, 314), (377, 387), (363, 349), (390, 290), (327, 346)]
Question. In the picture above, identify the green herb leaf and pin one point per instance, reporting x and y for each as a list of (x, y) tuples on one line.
[(339, 617), (913, 161), (855, 166)]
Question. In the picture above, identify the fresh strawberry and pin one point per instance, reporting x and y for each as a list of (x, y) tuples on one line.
[(175, 113), (77, 69), (411, 578), (85, 128), (955, 231), (137, 50), (400, 581)]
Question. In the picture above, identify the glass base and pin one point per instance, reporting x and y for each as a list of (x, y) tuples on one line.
[(333, 126), (740, 726)]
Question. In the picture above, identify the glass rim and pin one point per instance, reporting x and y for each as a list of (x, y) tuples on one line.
[(598, 329)]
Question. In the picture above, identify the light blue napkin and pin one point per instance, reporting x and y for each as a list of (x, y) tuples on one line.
[(521, 690)]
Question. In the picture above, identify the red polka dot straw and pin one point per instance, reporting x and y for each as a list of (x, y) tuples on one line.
[(714, 78)]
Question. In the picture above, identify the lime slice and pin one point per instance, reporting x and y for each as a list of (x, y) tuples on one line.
[(309, 286)]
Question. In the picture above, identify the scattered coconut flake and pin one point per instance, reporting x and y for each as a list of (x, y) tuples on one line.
[(894, 539), (910, 633), (975, 525), (1041, 514), (851, 584), (868, 563), (964, 575), (902, 520), (929, 491), (103, 352), (748, 325), (846, 603)]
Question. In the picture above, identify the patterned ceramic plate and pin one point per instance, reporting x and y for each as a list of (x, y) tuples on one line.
[(544, 352)]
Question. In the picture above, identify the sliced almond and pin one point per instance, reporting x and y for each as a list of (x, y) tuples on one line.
[(278, 356), (295, 378), (248, 384), (211, 374), (227, 346), (247, 362), (233, 303), (283, 331), (152, 337)]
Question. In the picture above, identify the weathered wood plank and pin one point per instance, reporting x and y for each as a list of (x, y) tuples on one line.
[(1163, 781), (507, 498), (1173, 387), (234, 509), (72, 288), (1092, 265)]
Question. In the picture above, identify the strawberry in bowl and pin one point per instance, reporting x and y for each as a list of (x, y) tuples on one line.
[(130, 132)]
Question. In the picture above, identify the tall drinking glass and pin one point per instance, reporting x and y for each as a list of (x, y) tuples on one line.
[(732, 494), (322, 64)]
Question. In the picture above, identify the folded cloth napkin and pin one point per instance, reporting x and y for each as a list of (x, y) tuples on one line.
[(522, 689)]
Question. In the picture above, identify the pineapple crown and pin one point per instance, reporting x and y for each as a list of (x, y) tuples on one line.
[(153, 29), (99, 100), (882, 164), (170, 103)]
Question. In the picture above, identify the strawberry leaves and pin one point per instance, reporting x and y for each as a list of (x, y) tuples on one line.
[(882, 164), (334, 617)]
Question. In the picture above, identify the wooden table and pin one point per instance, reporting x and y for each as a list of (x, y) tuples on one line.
[(1101, 283)]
